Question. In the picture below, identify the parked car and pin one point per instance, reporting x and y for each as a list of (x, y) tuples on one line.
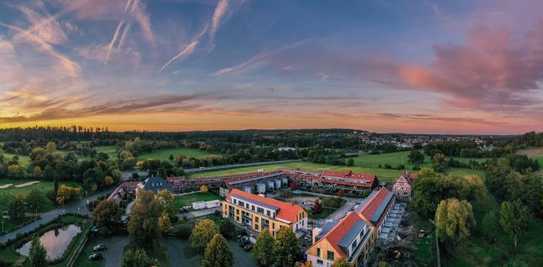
[(95, 256), (99, 247)]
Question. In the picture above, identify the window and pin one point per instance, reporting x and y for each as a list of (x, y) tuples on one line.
[(319, 252), (259, 210), (353, 247), (330, 255), (319, 262), (268, 213)]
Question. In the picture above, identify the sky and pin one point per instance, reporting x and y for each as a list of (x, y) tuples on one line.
[(416, 66)]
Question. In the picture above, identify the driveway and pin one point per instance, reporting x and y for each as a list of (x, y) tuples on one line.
[(114, 253), (78, 206)]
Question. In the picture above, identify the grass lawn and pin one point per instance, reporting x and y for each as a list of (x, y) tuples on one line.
[(187, 200), (164, 154), (393, 159), (7, 194), (110, 150)]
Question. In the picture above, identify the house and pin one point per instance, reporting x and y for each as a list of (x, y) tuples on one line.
[(154, 184), (350, 238), (336, 180), (258, 213), (403, 187), (354, 236)]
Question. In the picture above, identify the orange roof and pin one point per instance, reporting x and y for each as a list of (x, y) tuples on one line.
[(337, 173), (287, 211), (340, 230), (375, 203)]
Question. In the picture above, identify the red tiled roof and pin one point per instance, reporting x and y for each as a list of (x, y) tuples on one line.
[(336, 234), (287, 211), (337, 173), (373, 203)]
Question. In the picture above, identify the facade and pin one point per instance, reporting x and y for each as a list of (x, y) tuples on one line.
[(255, 182), (258, 213), (403, 187), (354, 236)]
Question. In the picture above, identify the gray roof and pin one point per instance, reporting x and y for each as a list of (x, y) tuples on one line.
[(351, 235), (256, 202), (379, 211), (156, 184)]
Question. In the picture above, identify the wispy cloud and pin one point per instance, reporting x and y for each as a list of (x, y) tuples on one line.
[(216, 19)]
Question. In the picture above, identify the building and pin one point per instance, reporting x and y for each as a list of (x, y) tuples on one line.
[(258, 213), (403, 187), (333, 181), (354, 236), (260, 182), (376, 209), (155, 184), (350, 238)]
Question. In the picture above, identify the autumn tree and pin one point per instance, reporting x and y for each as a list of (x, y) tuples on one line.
[(514, 219), (217, 253), (167, 202), (136, 258), (38, 254), (143, 223), (202, 233), (107, 213), (439, 162), (286, 249), (164, 222), (454, 221), (342, 263), (263, 246)]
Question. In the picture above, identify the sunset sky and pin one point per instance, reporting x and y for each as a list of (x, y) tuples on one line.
[(462, 66)]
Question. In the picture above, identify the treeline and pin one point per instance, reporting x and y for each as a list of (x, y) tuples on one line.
[(48, 163), (464, 149)]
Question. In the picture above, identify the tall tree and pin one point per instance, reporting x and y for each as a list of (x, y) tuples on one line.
[(263, 246), (35, 200), (416, 157), (217, 253), (286, 249), (514, 219), (202, 233), (143, 223), (454, 221), (136, 258), (38, 254), (107, 213), (17, 209)]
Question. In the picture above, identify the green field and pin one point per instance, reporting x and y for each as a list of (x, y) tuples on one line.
[(23, 160), (363, 163), (110, 150), (9, 193), (164, 154), (187, 200)]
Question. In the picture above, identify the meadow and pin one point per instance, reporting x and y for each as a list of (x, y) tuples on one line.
[(164, 154), (366, 163), (535, 153)]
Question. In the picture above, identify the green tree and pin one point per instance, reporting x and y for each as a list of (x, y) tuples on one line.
[(107, 213), (454, 221), (514, 219), (136, 258), (490, 226), (37, 173), (416, 157), (439, 162), (350, 162), (17, 209), (143, 223), (217, 253), (38, 254), (263, 246), (35, 200), (286, 249), (202, 233)]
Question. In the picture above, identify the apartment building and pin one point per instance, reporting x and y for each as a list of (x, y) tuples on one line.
[(258, 213)]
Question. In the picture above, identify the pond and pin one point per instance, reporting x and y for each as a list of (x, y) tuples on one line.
[(54, 241)]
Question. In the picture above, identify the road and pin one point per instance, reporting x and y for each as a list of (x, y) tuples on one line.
[(78, 206)]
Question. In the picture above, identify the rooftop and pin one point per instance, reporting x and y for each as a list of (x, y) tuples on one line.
[(286, 211)]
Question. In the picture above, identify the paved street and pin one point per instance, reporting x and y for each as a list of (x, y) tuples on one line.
[(78, 206)]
